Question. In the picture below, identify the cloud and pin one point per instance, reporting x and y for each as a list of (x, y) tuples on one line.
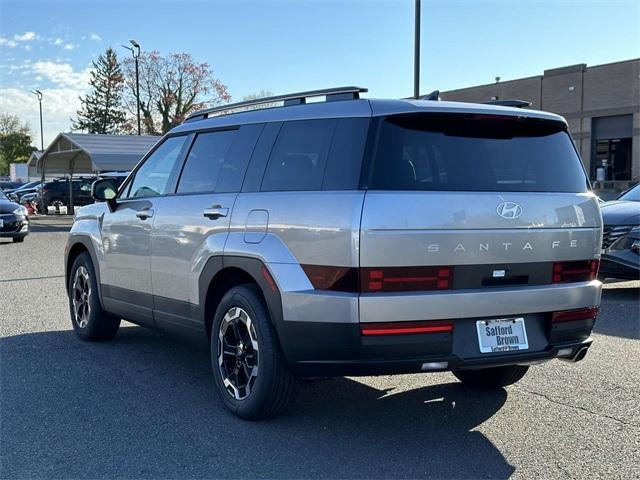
[(57, 41), (61, 85), (62, 75), (96, 37), (70, 46), (5, 42), (58, 106), (25, 37)]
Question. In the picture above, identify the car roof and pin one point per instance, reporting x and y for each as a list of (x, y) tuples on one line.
[(354, 108)]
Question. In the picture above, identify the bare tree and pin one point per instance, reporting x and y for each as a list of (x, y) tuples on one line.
[(12, 124), (171, 88)]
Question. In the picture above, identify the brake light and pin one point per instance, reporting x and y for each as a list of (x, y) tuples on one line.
[(405, 279), (342, 279), (379, 279), (405, 328), (576, 271), (574, 315)]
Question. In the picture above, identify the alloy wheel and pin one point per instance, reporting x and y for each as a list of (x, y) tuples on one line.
[(81, 294), (238, 353)]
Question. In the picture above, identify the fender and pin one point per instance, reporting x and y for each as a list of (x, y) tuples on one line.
[(73, 240), (253, 267)]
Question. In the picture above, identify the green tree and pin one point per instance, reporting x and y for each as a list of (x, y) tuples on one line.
[(15, 142), (102, 108)]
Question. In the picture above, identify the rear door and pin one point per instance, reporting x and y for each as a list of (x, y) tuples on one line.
[(192, 223), (492, 200)]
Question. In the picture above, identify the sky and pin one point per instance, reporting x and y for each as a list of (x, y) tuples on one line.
[(288, 46)]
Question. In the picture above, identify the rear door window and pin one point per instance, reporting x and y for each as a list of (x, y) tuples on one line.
[(456, 152), (299, 156)]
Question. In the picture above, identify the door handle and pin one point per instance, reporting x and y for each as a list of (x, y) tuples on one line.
[(144, 214), (216, 211)]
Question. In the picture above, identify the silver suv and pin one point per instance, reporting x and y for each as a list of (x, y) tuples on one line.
[(347, 237)]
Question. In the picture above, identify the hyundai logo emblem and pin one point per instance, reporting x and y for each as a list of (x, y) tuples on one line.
[(509, 210)]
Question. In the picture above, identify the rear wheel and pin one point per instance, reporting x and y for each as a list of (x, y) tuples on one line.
[(488, 378), (250, 371), (89, 320), (57, 203)]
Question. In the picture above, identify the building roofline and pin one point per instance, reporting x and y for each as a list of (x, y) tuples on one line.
[(588, 67)]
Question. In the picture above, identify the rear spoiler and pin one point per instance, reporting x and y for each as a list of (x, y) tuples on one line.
[(510, 103)]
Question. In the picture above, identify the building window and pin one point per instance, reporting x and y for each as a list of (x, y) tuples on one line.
[(611, 152)]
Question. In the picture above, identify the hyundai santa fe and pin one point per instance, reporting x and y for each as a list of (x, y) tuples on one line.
[(347, 237)]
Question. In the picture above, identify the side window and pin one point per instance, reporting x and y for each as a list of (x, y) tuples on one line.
[(153, 178), (299, 156), (206, 162)]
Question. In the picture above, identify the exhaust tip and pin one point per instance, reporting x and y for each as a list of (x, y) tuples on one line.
[(566, 356)]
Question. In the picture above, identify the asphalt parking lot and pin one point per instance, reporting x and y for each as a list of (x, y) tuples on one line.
[(143, 406)]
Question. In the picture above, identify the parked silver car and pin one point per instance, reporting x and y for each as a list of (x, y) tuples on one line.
[(348, 237)]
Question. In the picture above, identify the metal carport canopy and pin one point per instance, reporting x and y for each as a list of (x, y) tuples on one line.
[(85, 153)]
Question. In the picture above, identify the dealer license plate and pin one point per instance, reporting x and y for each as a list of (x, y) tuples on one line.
[(502, 335)]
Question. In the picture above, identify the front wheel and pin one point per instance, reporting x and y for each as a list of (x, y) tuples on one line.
[(490, 378), (18, 239), (251, 374), (89, 320)]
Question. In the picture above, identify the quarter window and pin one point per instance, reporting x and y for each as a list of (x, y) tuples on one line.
[(153, 178), (206, 162)]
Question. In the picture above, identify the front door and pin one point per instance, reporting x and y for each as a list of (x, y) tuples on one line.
[(126, 272)]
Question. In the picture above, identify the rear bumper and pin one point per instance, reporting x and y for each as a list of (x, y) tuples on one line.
[(329, 349)]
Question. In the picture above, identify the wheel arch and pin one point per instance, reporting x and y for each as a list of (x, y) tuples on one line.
[(76, 246), (221, 274)]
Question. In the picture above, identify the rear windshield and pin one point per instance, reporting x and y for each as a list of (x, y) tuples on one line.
[(460, 152)]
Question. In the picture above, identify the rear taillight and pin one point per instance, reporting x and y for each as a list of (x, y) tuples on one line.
[(575, 315), (379, 279), (575, 271), (405, 328), (405, 279), (341, 279)]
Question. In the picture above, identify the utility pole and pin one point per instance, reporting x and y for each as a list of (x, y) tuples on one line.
[(135, 51), (416, 54), (38, 94)]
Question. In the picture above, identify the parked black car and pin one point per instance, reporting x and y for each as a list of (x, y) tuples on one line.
[(14, 222), (621, 239), (56, 192), (16, 194)]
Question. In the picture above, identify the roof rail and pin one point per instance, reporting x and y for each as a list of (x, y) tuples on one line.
[(512, 102), (336, 93)]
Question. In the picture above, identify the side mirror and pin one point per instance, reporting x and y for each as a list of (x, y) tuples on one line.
[(105, 190)]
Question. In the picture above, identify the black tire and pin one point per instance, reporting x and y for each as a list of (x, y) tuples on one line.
[(57, 202), (93, 323), (491, 378), (274, 387), (18, 239)]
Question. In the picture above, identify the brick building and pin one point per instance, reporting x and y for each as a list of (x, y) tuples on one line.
[(601, 104)]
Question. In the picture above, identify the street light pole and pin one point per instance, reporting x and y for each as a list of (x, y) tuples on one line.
[(135, 51), (416, 53), (38, 94)]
